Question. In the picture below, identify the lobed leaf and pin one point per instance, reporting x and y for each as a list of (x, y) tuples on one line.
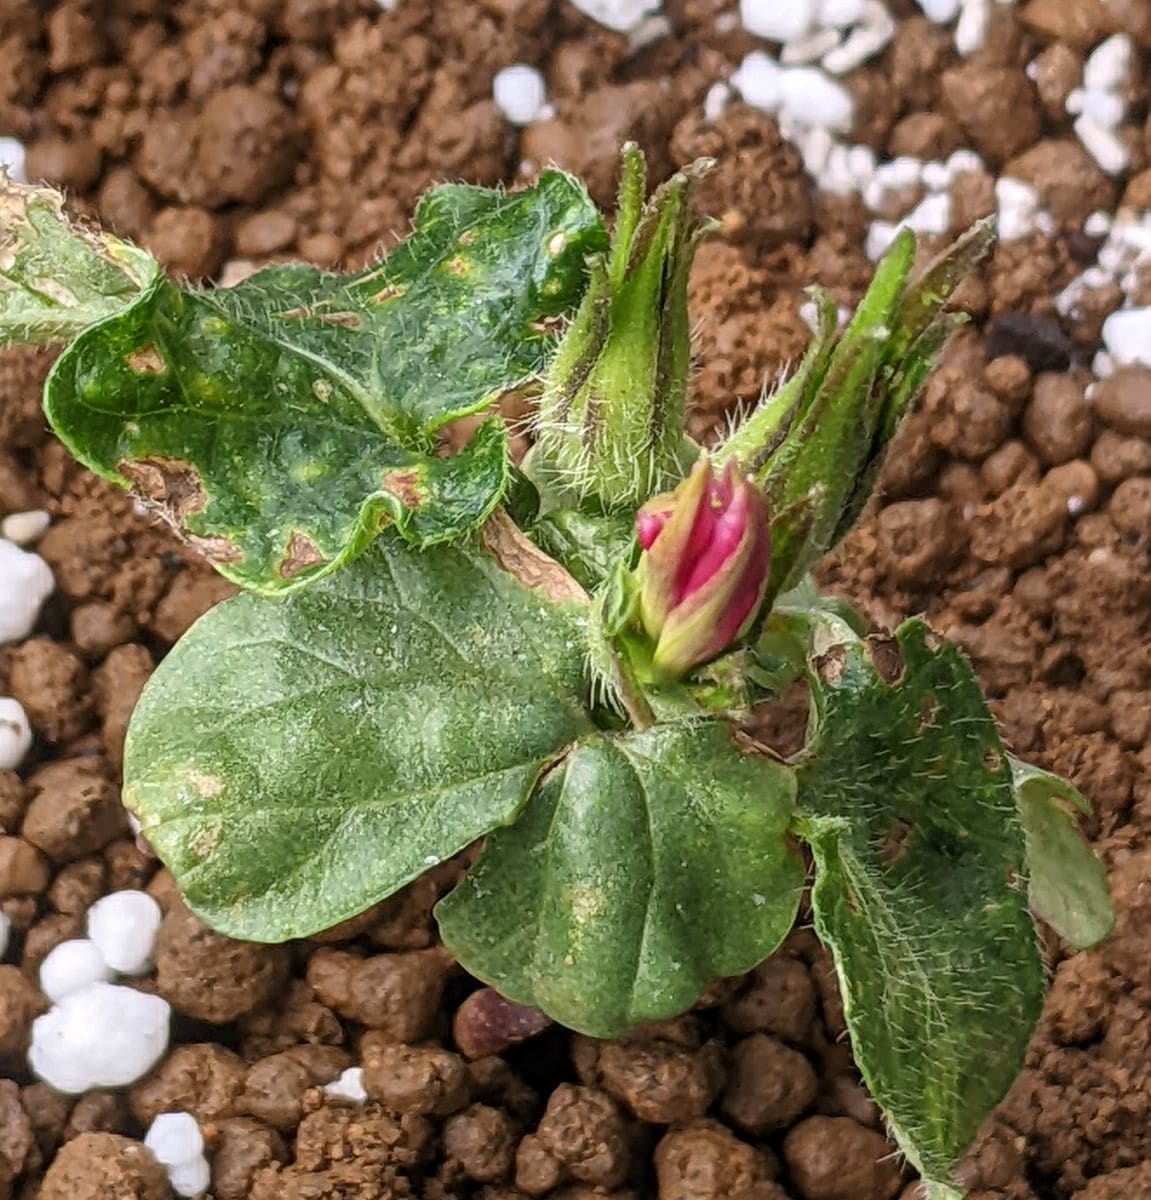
[(295, 760), (907, 800), (644, 867), (281, 423)]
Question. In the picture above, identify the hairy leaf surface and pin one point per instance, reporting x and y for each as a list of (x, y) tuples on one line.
[(295, 760), (644, 867), (56, 277), (921, 890), (1068, 883)]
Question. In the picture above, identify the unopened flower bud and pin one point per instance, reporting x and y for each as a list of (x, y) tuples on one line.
[(704, 568), (815, 447), (610, 422)]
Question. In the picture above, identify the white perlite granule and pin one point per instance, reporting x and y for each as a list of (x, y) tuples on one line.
[(25, 527), (25, 583), (15, 733), (177, 1144), (520, 93), (349, 1087), (70, 966), (620, 15), (124, 926), (101, 1036)]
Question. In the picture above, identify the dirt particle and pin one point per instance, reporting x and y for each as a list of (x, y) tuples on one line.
[(769, 1084), (210, 977), (75, 810), (203, 1079), (424, 1080), (102, 1166), (51, 682), (585, 1131), (20, 1004), (706, 1161), (243, 1147), (24, 870), (834, 1158), (1123, 401), (483, 1141), (1058, 421)]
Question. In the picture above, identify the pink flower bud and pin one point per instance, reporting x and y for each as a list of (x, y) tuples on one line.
[(705, 564)]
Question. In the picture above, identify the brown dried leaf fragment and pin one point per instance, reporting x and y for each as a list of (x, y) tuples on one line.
[(522, 558)]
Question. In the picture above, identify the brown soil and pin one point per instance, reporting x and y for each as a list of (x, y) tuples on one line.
[(1015, 514)]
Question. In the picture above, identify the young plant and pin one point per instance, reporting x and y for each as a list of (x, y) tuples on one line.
[(561, 661)]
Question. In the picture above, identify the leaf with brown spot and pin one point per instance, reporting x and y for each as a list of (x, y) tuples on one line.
[(146, 361), (521, 557), (920, 855), (295, 760), (58, 275), (306, 410)]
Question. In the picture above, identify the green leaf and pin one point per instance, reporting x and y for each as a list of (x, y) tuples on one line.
[(1068, 883), (920, 890), (801, 623), (57, 278), (645, 866), (295, 760), (589, 545), (282, 422)]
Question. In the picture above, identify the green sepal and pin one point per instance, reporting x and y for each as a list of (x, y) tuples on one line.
[(610, 421), (816, 445)]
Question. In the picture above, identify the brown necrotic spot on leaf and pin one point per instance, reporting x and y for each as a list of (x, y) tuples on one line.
[(391, 292), (207, 787), (171, 484), (928, 709), (886, 658), (146, 361), (457, 266), (830, 666), (894, 844), (407, 486), (992, 759), (216, 549), (346, 320), (302, 554)]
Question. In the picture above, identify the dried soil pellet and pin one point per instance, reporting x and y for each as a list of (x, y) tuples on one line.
[(104, 1166), (414, 1079), (768, 1085), (210, 977), (833, 1158)]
